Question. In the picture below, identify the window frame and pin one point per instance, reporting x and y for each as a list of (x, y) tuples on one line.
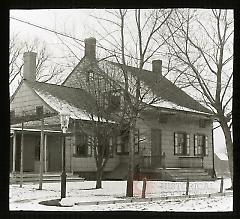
[(112, 105), (185, 150), (205, 148), (87, 143), (124, 144)]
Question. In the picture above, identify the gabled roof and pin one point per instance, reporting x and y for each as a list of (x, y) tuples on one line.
[(221, 155), (164, 88), (73, 70), (15, 92), (74, 101)]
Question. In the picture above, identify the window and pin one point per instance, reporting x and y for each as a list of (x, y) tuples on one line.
[(89, 75), (181, 143), (39, 111), (108, 148), (83, 145), (113, 101), (200, 145), (122, 143)]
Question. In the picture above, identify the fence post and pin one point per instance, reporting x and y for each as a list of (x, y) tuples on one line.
[(144, 187), (187, 187), (221, 185)]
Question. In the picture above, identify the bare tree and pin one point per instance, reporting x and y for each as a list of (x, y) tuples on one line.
[(103, 112), (142, 34), (46, 69), (201, 50), (134, 43)]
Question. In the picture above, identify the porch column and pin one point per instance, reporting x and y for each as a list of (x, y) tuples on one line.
[(14, 152), (41, 154), (21, 160), (45, 153)]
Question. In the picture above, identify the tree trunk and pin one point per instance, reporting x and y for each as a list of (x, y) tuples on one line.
[(229, 146), (131, 162), (99, 177)]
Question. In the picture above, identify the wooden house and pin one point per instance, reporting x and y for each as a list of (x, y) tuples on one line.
[(174, 132)]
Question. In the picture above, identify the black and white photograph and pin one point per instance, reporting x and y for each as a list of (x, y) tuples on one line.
[(121, 109)]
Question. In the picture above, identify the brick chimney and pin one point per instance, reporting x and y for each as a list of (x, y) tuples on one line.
[(29, 68), (157, 67), (90, 48)]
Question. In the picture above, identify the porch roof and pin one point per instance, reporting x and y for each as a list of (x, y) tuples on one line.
[(35, 130)]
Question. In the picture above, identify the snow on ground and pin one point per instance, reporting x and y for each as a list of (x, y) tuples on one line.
[(28, 197)]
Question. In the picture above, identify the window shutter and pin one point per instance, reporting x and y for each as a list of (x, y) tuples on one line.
[(195, 145), (89, 145), (74, 147), (187, 144), (136, 141), (175, 143), (111, 147), (206, 146)]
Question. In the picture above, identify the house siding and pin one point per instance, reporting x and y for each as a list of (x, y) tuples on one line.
[(26, 100), (77, 79), (84, 164), (88, 164), (175, 123)]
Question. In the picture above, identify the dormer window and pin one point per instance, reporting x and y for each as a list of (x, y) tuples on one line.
[(114, 101), (90, 75)]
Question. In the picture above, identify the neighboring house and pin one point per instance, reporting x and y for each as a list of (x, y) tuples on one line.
[(221, 164), (173, 137)]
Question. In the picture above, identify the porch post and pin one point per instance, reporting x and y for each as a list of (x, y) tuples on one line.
[(21, 160), (41, 154), (45, 153), (14, 152), (63, 175)]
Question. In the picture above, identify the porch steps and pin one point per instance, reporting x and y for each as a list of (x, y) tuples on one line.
[(119, 173), (34, 177), (182, 174)]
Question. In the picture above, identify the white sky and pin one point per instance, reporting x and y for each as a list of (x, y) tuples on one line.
[(73, 21)]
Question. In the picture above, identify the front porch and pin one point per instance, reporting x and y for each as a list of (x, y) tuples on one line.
[(52, 152)]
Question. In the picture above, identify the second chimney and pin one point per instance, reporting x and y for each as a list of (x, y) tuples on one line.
[(157, 66), (157, 69), (90, 48), (29, 68)]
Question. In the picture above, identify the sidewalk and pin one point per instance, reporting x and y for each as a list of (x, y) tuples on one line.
[(67, 202), (112, 192)]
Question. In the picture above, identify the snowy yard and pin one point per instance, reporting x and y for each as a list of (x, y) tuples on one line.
[(78, 193)]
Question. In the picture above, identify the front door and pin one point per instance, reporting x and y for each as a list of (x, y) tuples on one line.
[(156, 149), (54, 153)]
